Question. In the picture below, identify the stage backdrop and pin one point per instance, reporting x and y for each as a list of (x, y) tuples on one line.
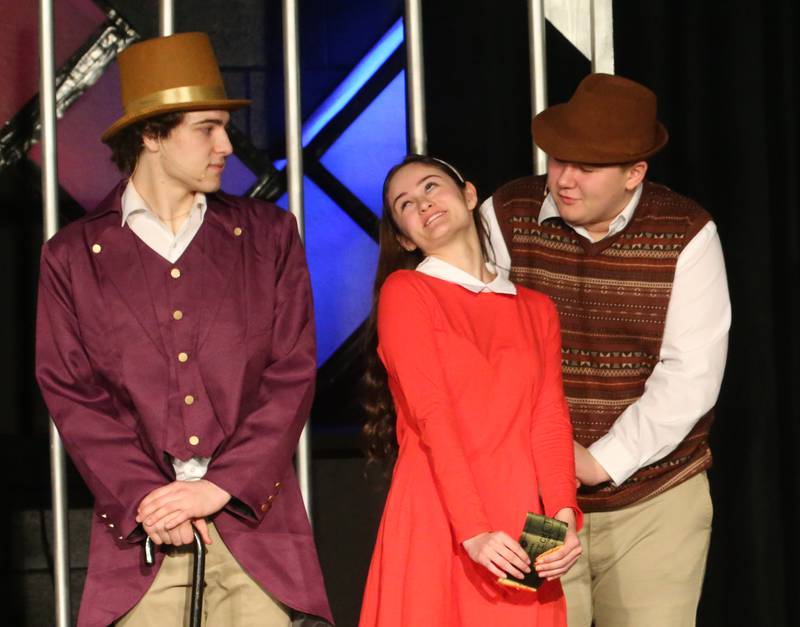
[(727, 79)]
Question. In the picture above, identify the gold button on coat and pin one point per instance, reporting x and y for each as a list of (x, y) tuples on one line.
[(177, 314), (264, 507), (96, 248), (188, 399), (237, 231), (175, 273), (183, 357), (194, 440)]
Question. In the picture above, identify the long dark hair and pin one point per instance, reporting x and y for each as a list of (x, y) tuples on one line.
[(379, 426)]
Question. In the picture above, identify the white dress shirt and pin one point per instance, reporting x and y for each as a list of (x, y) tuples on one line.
[(685, 382), (159, 237), (156, 234)]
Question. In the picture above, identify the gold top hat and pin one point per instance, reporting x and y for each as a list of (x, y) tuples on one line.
[(176, 73), (608, 120)]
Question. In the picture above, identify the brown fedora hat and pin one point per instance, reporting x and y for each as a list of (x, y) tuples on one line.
[(608, 120), (175, 73)]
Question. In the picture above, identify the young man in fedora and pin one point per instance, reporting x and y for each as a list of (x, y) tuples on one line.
[(637, 273), (175, 351)]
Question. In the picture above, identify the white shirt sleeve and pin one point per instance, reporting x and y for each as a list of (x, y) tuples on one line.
[(685, 383)]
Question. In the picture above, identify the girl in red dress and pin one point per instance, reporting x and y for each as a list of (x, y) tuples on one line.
[(477, 422)]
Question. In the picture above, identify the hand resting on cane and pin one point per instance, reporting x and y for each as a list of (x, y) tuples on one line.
[(168, 512)]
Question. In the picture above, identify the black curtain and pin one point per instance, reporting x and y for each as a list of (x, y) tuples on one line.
[(727, 77)]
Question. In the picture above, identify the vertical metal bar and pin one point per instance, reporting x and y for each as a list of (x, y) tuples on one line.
[(58, 467), (58, 492), (166, 18), (602, 29), (294, 181), (538, 69), (415, 78)]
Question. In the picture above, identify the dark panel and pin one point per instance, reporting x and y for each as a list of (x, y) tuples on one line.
[(348, 508)]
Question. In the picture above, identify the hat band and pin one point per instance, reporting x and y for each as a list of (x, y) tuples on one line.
[(177, 95)]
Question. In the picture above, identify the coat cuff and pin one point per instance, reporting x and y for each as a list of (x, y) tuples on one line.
[(252, 508)]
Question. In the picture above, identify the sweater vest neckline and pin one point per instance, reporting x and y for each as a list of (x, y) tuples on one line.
[(589, 246)]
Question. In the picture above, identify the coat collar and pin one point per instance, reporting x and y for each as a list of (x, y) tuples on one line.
[(112, 203)]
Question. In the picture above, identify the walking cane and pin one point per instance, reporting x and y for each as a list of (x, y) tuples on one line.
[(198, 574)]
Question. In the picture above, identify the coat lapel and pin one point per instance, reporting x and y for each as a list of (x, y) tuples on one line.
[(119, 262), (221, 256)]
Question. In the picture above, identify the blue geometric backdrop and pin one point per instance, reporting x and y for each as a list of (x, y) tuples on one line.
[(341, 254)]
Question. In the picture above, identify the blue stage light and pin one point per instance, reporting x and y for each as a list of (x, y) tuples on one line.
[(341, 261), (373, 143), (354, 81), (341, 256)]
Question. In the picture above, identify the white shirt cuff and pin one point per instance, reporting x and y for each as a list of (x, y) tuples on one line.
[(612, 455), (192, 469)]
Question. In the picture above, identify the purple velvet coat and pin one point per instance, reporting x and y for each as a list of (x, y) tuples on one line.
[(105, 374)]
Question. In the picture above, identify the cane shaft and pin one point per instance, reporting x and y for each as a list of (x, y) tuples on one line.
[(198, 575), (198, 580)]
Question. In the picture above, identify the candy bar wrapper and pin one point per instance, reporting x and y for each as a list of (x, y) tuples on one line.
[(540, 535)]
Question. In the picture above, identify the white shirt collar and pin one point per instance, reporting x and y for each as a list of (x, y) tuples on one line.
[(132, 202), (550, 210), (440, 269)]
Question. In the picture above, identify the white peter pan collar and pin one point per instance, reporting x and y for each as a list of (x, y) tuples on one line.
[(440, 269)]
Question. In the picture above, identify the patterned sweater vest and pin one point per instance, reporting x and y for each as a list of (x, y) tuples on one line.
[(612, 299)]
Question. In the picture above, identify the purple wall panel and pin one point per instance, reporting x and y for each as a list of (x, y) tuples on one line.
[(19, 45), (84, 166)]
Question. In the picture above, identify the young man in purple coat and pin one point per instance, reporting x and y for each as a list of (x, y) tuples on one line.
[(175, 351)]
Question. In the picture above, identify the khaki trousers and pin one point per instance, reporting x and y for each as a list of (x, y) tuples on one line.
[(643, 566), (231, 598)]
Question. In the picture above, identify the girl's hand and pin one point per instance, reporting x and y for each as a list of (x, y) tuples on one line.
[(588, 470), (555, 564), (499, 553)]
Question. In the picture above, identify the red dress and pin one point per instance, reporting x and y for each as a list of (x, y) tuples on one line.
[(484, 436)]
